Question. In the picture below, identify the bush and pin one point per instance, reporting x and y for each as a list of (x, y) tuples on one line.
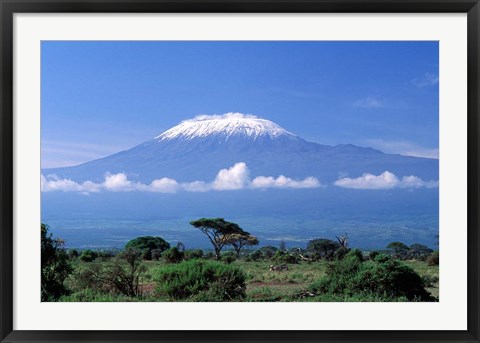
[(121, 275), (383, 277), (340, 253), (173, 255), (88, 256), (210, 255), (146, 244), (229, 257), (199, 280), (72, 253), (193, 254), (268, 251), (156, 254), (433, 259), (373, 254), (285, 257), (254, 256)]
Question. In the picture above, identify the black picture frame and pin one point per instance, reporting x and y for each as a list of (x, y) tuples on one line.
[(10, 7)]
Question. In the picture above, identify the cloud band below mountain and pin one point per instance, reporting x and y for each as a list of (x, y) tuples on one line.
[(386, 180), (236, 177)]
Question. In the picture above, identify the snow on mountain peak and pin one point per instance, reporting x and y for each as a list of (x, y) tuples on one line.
[(225, 125)]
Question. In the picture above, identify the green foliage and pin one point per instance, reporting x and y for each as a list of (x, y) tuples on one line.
[(281, 256), (433, 259), (156, 254), (173, 255), (193, 254), (322, 248), (229, 257), (398, 249), (268, 251), (218, 232), (121, 275), (88, 255), (383, 277), (72, 253), (55, 266), (239, 240), (419, 252), (198, 280), (373, 254), (146, 244), (340, 253)]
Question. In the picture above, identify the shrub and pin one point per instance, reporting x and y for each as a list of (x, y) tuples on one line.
[(201, 281), (393, 278), (433, 259), (88, 255), (146, 244), (229, 257), (193, 254), (72, 253), (173, 255), (340, 253), (383, 277), (122, 275), (373, 254), (255, 256), (209, 255), (156, 254), (285, 257), (268, 251)]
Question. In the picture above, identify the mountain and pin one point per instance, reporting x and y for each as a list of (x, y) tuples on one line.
[(198, 148)]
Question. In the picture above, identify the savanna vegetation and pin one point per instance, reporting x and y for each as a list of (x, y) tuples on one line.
[(235, 269)]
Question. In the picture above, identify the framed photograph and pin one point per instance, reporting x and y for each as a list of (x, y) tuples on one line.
[(242, 171)]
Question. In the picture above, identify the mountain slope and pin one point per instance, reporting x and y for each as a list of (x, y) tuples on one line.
[(197, 149)]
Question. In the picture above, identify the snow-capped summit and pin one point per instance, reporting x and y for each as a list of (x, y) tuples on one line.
[(196, 149), (226, 126)]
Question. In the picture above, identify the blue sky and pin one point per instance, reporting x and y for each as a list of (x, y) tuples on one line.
[(102, 97)]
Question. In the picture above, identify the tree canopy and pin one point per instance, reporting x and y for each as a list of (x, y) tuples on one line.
[(238, 241), (146, 244), (218, 231), (323, 248), (55, 266)]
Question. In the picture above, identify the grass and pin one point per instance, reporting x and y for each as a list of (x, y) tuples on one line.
[(262, 285)]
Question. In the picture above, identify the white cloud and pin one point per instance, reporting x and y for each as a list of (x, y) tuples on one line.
[(163, 185), (369, 102), (386, 180), (416, 182), (118, 183), (233, 178), (65, 185), (428, 79), (236, 177), (196, 186), (284, 182)]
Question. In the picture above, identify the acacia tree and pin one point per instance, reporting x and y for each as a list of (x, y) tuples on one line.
[(218, 231), (238, 241), (399, 249)]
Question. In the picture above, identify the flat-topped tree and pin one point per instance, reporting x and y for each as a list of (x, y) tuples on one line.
[(238, 241), (218, 231)]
